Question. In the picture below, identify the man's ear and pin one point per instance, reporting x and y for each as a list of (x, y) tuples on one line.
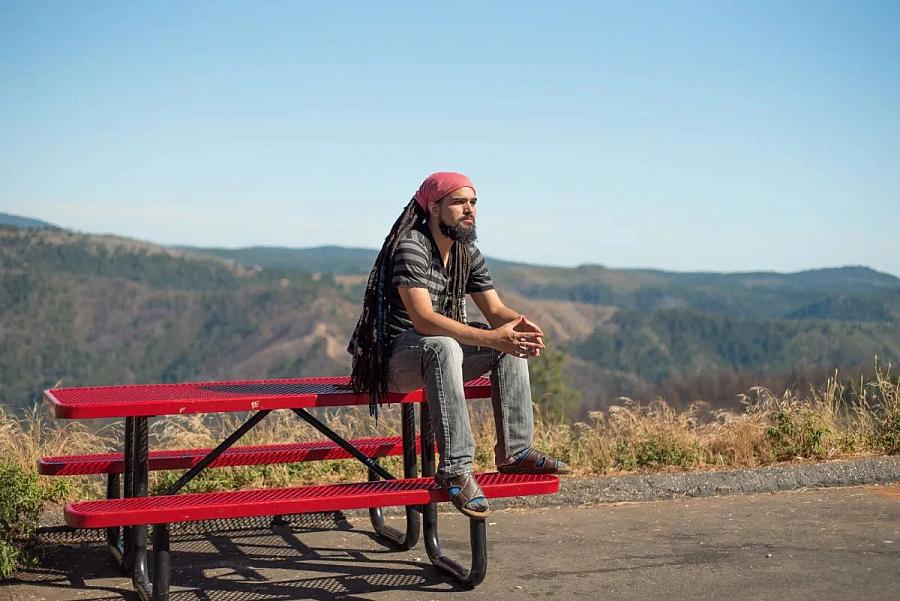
[(435, 208)]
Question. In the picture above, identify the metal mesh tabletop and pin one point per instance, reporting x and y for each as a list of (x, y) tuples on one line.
[(214, 397)]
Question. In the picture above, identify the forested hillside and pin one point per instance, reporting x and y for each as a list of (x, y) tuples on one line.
[(90, 310), (99, 310)]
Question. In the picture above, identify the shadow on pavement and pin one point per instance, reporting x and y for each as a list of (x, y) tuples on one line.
[(238, 560)]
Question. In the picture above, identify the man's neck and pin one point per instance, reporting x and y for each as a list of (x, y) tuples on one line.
[(444, 243)]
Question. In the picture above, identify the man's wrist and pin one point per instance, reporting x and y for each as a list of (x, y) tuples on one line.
[(481, 337)]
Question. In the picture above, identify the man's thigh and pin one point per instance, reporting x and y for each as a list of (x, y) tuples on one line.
[(406, 367)]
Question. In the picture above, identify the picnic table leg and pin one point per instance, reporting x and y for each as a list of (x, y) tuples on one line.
[(473, 576), (137, 465), (137, 469), (114, 535), (161, 568), (397, 538), (128, 491)]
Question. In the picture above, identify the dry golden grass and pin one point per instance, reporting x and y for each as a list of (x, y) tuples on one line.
[(829, 422), (25, 440), (835, 420)]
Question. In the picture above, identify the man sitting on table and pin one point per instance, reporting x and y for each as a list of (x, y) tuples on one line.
[(413, 332)]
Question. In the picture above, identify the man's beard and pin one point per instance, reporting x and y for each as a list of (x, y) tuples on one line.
[(459, 232)]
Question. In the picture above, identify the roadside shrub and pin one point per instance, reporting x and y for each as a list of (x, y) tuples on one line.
[(798, 434), (889, 440), (22, 496), (655, 452), (653, 436), (883, 394)]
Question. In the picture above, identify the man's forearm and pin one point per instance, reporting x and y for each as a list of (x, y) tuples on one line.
[(501, 316), (435, 324)]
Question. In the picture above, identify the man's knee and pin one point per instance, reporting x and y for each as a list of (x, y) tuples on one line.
[(512, 363), (444, 350)]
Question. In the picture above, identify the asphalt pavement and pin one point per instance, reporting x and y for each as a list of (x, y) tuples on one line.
[(817, 544)]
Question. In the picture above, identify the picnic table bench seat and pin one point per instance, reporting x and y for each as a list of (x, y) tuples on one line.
[(191, 507)]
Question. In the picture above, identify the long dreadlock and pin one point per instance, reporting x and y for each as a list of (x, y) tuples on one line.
[(369, 345)]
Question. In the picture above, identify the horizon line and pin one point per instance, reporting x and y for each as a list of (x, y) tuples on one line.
[(375, 250)]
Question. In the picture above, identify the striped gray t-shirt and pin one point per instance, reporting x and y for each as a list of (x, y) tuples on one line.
[(418, 264)]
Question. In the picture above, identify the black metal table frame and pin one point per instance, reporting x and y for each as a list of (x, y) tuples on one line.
[(128, 545)]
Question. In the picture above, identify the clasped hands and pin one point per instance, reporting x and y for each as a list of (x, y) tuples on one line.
[(520, 337)]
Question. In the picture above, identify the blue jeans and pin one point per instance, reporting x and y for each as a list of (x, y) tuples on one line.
[(441, 365)]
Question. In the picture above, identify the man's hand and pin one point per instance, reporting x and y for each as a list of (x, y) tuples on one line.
[(519, 337), (529, 326)]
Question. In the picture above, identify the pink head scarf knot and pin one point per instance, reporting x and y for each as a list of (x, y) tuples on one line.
[(440, 184)]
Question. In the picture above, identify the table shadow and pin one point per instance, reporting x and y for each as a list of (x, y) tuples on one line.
[(247, 559)]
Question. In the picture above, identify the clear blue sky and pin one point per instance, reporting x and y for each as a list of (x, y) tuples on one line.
[(690, 136)]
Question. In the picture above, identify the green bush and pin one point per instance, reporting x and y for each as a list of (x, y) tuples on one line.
[(22, 495), (888, 439), (655, 452), (798, 434)]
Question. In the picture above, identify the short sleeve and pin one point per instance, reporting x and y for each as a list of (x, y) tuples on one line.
[(410, 266), (479, 276)]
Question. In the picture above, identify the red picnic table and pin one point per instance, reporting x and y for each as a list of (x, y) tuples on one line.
[(128, 511)]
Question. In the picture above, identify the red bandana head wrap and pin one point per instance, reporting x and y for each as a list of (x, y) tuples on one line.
[(440, 184)]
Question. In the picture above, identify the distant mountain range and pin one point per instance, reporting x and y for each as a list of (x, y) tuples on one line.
[(842, 293), (323, 259), (90, 310), (25, 222)]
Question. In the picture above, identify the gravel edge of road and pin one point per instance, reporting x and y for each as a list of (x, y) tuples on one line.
[(660, 486), (652, 487)]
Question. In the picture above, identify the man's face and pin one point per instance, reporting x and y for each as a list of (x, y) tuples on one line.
[(456, 215)]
